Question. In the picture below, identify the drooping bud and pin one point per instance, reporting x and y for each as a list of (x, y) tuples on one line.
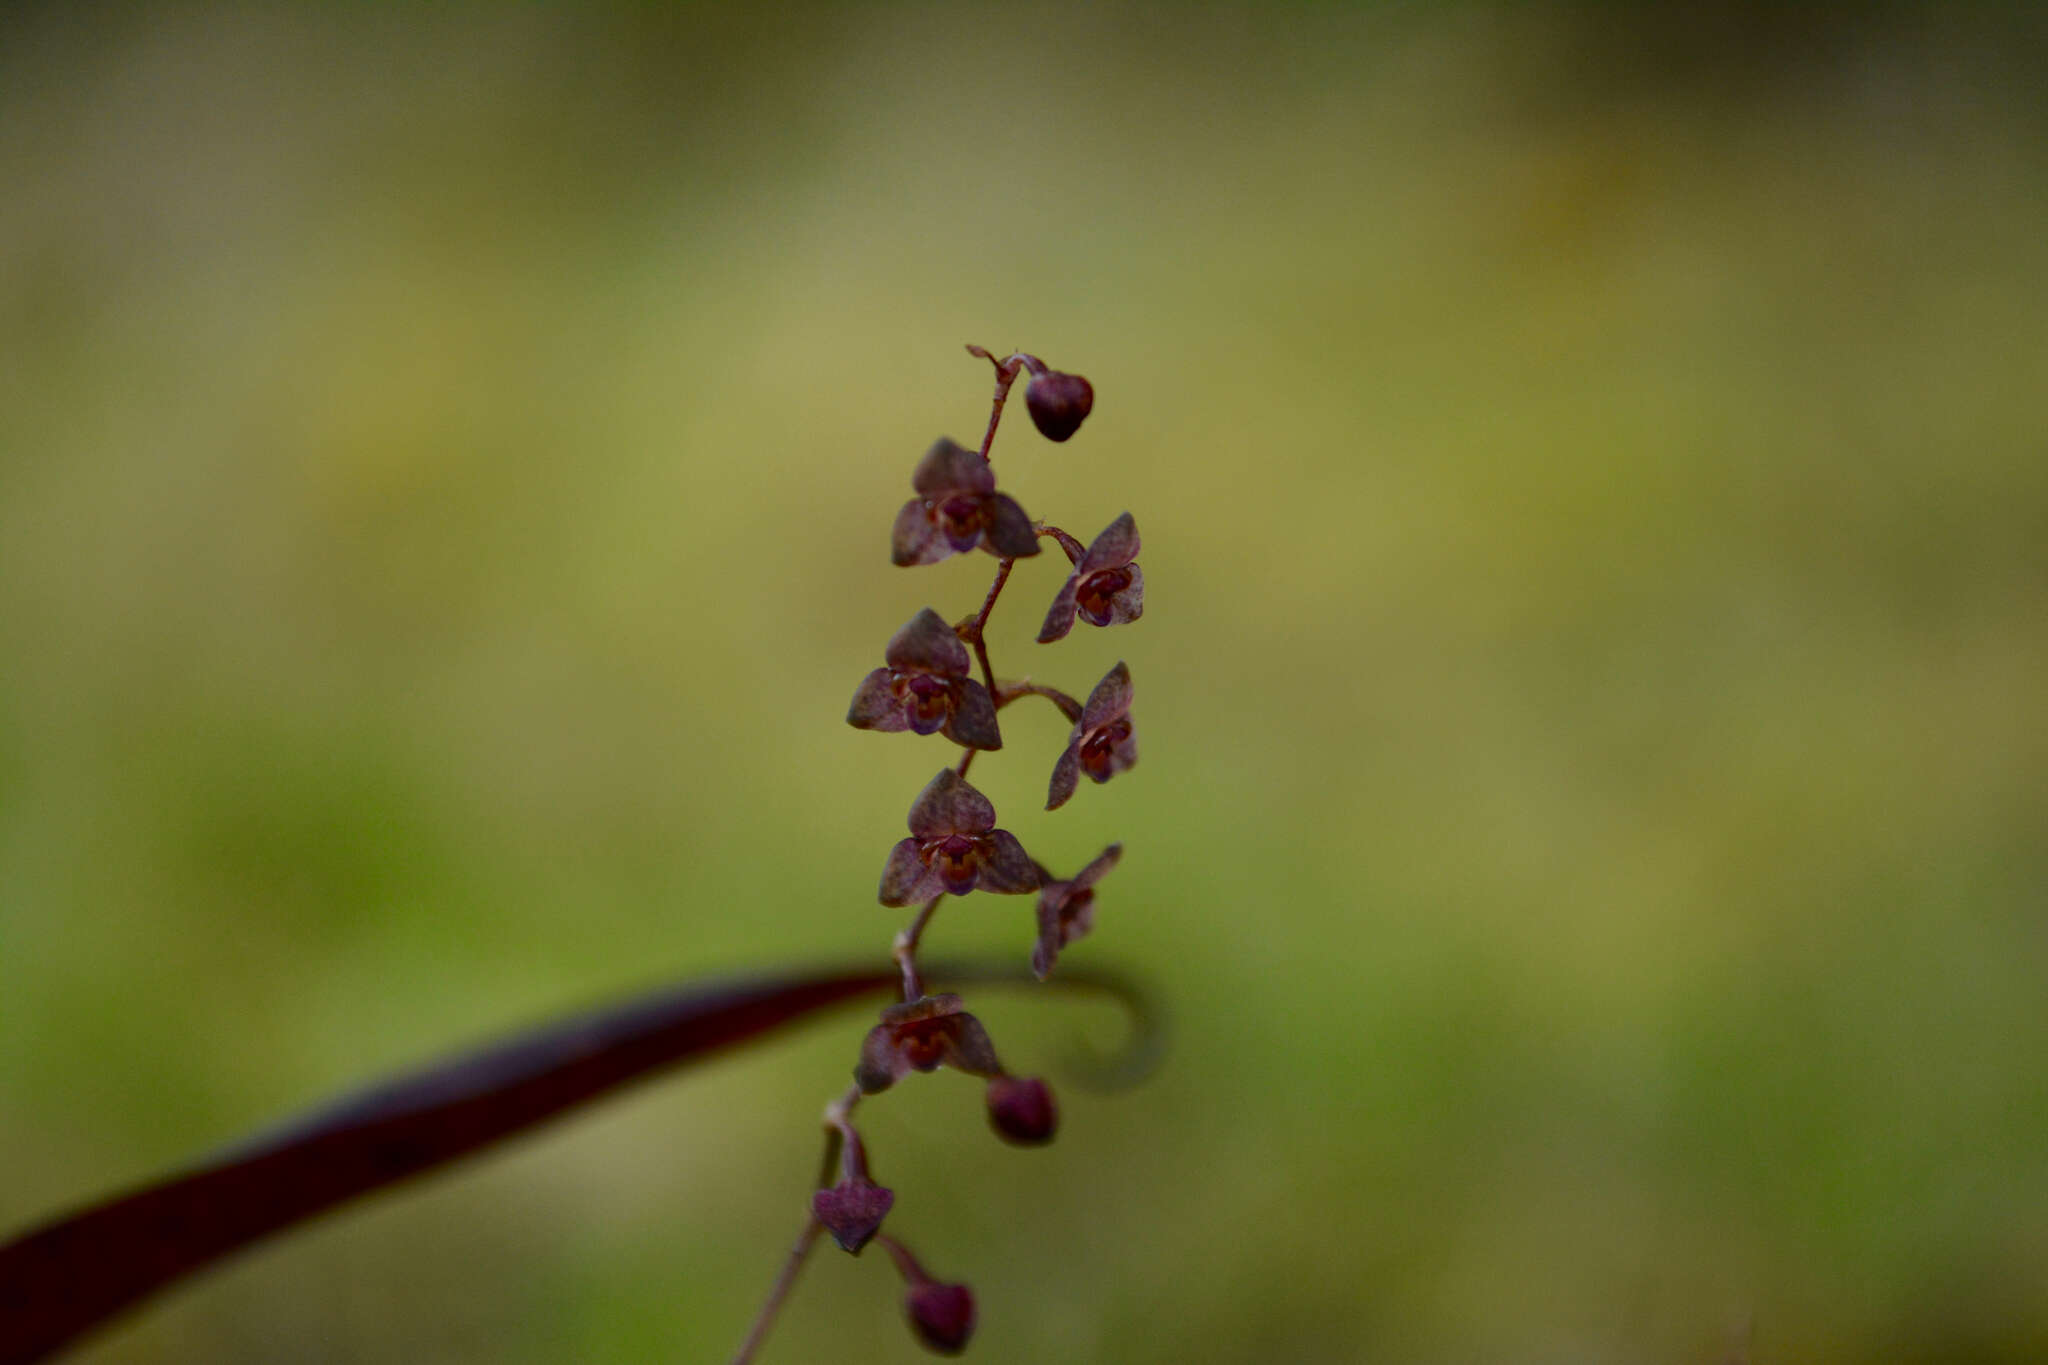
[(942, 1315), (1021, 1110), (1059, 403)]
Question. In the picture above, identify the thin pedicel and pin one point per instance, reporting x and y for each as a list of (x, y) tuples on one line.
[(956, 845)]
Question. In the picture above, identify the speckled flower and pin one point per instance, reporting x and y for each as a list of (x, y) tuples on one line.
[(955, 847), (1103, 742), (1066, 909), (925, 688), (921, 1035), (957, 508), (1107, 588)]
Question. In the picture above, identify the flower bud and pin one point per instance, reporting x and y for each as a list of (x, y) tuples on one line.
[(853, 1210), (1059, 403), (942, 1315), (1021, 1110)]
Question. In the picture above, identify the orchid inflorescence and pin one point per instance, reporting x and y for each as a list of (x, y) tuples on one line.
[(956, 846)]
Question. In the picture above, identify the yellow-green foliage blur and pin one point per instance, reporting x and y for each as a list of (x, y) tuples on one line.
[(1592, 826)]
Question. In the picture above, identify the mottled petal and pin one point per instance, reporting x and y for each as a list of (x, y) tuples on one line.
[(1009, 532), (968, 1047), (948, 805), (1129, 604), (1059, 618), (1066, 775), (949, 467), (973, 722), (875, 705), (1115, 547), (1005, 867), (917, 538), (1110, 699), (1047, 950), (882, 1064), (905, 877), (929, 644), (1102, 863)]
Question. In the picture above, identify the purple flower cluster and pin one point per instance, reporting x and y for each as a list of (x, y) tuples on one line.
[(956, 847)]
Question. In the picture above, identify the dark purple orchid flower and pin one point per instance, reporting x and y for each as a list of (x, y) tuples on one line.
[(1107, 588), (1066, 909), (957, 508), (1103, 743), (920, 1035), (925, 688), (955, 847)]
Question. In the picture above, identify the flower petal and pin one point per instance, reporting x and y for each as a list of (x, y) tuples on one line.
[(1005, 867), (1047, 950), (905, 877), (1114, 548), (927, 643), (968, 1047), (1110, 699), (875, 705), (948, 805), (950, 467), (1101, 864), (1008, 532), (1066, 775), (1059, 618), (973, 722), (916, 538), (1129, 604), (881, 1064)]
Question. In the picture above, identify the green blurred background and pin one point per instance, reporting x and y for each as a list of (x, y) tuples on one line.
[(1590, 830)]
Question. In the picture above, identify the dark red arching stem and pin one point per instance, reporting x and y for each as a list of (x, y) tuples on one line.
[(784, 1282)]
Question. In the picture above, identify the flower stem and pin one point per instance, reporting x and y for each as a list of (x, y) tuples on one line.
[(906, 945), (1010, 692), (1074, 548), (1006, 375), (784, 1282)]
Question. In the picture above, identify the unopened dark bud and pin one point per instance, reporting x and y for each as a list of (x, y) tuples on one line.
[(1021, 1110), (1059, 403), (942, 1315)]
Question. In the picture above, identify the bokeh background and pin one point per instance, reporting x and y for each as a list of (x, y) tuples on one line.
[(1590, 829)]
